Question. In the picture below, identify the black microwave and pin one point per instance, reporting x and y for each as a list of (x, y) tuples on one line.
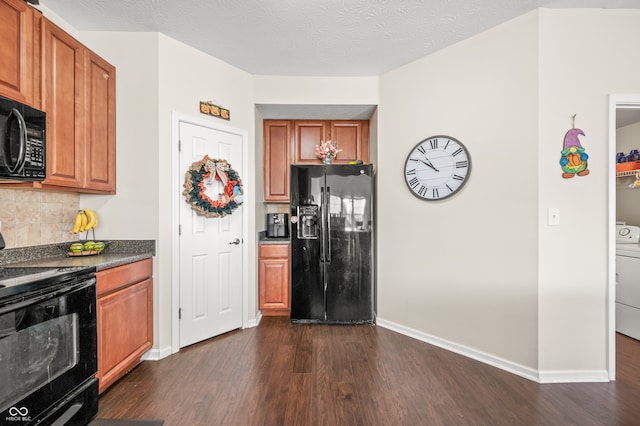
[(22, 141)]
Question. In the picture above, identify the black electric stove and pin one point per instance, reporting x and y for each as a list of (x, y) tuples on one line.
[(48, 345)]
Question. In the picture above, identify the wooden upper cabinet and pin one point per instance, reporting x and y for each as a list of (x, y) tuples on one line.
[(352, 137), (43, 66), (308, 134), (100, 124), (64, 103), (289, 142), (277, 143), (17, 56), (79, 96)]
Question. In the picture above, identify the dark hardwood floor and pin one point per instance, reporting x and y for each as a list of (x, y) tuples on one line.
[(283, 374)]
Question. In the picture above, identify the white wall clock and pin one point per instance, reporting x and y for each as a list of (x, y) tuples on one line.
[(437, 168)]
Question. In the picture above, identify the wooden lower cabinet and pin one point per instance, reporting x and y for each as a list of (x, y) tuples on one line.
[(125, 319), (273, 279)]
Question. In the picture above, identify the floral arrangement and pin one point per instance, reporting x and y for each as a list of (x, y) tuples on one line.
[(327, 150)]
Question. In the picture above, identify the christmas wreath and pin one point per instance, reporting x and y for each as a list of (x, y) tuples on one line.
[(208, 169)]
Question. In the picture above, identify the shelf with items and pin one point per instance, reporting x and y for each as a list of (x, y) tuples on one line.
[(626, 173), (630, 174)]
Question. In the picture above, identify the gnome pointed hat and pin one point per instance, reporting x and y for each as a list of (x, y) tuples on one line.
[(571, 138)]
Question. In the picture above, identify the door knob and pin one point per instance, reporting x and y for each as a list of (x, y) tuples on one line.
[(235, 242)]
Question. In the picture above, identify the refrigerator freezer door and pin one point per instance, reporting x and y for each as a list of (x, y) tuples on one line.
[(307, 272), (349, 247)]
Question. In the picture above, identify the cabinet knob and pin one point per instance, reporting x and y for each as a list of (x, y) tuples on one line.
[(106, 76)]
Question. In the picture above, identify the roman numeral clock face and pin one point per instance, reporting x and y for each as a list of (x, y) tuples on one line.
[(437, 168)]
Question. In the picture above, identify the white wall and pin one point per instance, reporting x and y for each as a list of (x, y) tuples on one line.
[(628, 199), (132, 212), (316, 90), (483, 271), (585, 55), (464, 270)]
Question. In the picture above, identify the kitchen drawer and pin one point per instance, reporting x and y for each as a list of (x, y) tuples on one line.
[(121, 276), (273, 251)]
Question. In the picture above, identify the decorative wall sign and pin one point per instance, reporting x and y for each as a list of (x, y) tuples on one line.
[(195, 187), (207, 107), (573, 158)]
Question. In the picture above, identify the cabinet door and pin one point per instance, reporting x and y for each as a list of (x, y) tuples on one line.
[(100, 121), (125, 330), (277, 146), (352, 138), (63, 60), (308, 134), (16, 51), (273, 279)]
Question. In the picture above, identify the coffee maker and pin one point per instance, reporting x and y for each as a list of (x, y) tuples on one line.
[(277, 225)]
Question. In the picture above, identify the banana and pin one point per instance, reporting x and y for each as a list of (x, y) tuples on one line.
[(78, 222), (92, 219), (83, 220)]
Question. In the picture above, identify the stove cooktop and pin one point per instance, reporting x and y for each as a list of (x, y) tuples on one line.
[(14, 280)]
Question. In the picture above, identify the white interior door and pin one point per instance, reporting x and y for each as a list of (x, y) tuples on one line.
[(210, 248)]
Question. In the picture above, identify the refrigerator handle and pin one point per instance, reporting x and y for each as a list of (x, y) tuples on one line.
[(328, 222), (321, 224)]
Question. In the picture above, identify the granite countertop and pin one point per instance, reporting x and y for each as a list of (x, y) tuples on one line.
[(279, 240), (263, 239), (118, 252), (99, 261)]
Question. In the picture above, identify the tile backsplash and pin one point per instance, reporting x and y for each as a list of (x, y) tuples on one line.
[(31, 217)]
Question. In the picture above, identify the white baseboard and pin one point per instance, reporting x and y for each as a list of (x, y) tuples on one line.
[(574, 376), (503, 364), (156, 354), (254, 322), (568, 376)]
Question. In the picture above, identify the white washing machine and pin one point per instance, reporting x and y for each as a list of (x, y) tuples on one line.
[(628, 280)]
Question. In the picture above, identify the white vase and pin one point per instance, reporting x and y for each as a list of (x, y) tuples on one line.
[(326, 160)]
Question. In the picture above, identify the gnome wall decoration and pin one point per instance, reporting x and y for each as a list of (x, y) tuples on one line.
[(573, 159)]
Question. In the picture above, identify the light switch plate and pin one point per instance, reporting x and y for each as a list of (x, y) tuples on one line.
[(553, 217)]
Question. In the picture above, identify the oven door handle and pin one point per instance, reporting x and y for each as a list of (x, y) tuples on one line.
[(27, 300)]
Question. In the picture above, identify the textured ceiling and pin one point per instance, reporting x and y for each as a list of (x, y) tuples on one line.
[(309, 37)]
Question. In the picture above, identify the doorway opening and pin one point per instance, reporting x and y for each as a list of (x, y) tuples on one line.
[(624, 110)]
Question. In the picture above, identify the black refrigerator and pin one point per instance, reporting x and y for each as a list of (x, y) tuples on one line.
[(332, 270)]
